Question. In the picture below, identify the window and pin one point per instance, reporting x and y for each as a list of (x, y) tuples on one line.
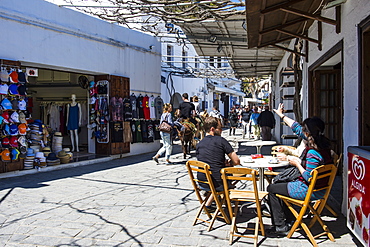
[(212, 61), (219, 64), (169, 55), (184, 59), (196, 61)]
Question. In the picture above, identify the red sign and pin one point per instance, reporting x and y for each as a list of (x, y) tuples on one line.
[(358, 204)]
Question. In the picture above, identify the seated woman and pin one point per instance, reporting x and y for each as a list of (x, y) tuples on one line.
[(316, 153)]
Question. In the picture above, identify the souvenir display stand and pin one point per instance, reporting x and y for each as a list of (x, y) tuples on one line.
[(117, 87)]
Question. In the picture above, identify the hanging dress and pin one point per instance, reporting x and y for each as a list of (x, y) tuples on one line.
[(73, 117)]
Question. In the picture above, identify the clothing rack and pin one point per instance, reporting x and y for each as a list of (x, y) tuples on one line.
[(143, 91)]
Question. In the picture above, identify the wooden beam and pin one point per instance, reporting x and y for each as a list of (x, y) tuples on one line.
[(298, 36), (338, 13), (279, 6), (319, 35), (289, 50), (289, 23), (310, 16)]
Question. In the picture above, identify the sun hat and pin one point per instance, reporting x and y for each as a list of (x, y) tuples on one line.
[(57, 134), (30, 151), (62, 154), (52, 157), (39, 155), (5, 155)]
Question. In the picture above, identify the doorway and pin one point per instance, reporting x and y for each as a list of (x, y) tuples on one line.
[(364, 83), (325, 89)]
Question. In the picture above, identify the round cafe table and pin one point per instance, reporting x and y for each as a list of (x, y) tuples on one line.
[(258, 144), (261, 164)]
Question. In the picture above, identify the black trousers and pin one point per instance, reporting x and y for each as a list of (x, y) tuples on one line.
[(280, 213)]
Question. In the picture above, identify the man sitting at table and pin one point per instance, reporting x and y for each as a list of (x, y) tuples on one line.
[(211, 150)]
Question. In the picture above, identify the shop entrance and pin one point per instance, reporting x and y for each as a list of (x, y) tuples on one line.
[(364, 83), (326, 95)]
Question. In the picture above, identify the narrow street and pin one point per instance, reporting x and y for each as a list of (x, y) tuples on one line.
[(124, 202)]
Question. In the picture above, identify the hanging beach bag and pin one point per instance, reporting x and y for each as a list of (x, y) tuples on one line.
[(165, 126)]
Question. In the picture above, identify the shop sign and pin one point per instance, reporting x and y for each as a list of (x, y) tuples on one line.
[(216, 96), (32, 72), (358, 204)]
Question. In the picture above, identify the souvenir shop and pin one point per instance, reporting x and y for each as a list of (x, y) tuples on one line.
[(51, 117)]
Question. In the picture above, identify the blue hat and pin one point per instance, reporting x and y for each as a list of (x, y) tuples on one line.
[(13, 89), (52, 156), (6, 130), (15, 154), (6, 104), (13, 130), (30, 152)]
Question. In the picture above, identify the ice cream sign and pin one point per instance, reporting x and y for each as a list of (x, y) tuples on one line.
[(358, 203), (358, 170)]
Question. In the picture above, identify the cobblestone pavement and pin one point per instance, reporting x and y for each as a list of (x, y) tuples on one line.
[(124, 202)]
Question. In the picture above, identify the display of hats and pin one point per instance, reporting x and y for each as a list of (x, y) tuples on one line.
[(22, 118), (15, 154), (52, 160), (57, 142), (64, 157)]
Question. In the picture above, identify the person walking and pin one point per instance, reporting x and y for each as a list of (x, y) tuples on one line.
[(254, 123), (233, 120), (166, 137), (266, 121), (245, 117)]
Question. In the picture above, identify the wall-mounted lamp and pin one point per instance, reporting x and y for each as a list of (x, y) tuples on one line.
[(151, 47), (212, 39), (219, 48)]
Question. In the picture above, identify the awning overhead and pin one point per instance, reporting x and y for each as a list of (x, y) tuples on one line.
[(270, 22), (228, 39)]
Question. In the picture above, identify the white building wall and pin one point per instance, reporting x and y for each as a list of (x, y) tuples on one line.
[(41, 34), (353, 12)]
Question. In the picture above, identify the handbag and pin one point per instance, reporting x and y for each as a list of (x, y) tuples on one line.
[(288, 175), (165, 126)]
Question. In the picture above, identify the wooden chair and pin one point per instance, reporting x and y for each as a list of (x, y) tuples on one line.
[(323, 175), (231, 175), (194, 166)]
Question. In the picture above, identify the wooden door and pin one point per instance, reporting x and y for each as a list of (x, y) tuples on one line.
[(327, 104)]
